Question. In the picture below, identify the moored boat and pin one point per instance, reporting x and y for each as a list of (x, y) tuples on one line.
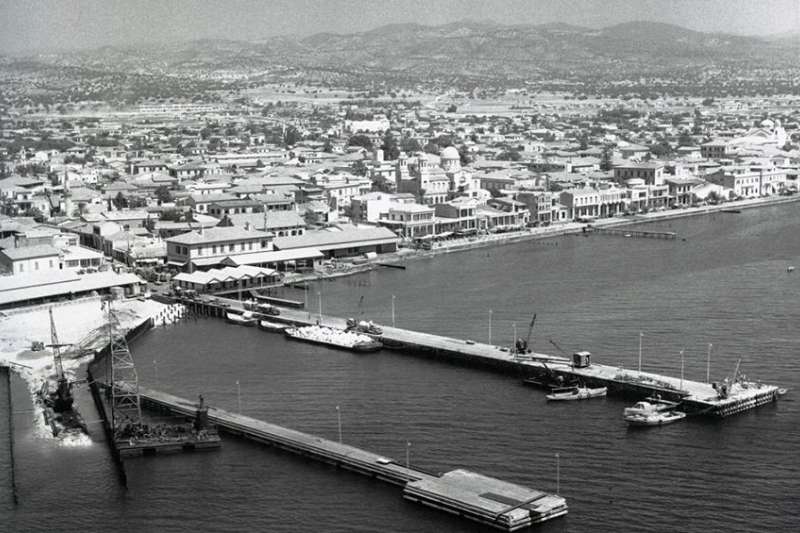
[(654, 419), (650, 406), (576, 393), (245, 319), (275, 327), (338, 338)]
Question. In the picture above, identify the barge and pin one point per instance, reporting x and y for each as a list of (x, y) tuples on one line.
[(347, 340)]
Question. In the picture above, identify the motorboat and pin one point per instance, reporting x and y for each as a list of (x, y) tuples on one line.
[(654, 419), (245, 319), (650, 406), (576, 393)]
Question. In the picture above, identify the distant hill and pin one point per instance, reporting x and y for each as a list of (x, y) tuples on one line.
[(479, 52)]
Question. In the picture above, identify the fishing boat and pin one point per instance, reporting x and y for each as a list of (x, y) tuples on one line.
[(576, 393), (348, 340), (654, 419), (245, 319), (275, 327)]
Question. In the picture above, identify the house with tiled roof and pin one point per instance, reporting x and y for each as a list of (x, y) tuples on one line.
[(206, 248)]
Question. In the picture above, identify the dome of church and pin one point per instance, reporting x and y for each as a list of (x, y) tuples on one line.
[(450, 153), (767, 123)]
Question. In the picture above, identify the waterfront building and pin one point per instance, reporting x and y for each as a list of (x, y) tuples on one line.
[(651, 173), (206, 248), (342, 241), (410, 220), (457, 216)]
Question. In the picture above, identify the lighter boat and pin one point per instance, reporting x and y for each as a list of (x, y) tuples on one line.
[(348, 340), (654, 419), (576, 393)]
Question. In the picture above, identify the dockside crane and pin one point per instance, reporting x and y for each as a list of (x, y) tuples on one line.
[(523, 345)]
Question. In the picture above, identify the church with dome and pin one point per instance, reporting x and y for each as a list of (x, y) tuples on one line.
[(435, 179)]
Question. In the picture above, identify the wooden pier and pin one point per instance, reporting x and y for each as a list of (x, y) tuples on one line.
[(695, 397), (499, 504), (627, 232)]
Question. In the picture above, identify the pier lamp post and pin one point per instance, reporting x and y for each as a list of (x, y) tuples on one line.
[(319, 295), (558, 474), (408, 462), (392, 310), (239, 395), (640, 351), (708, 364), (305, 294), (339, 418), (490, 327), (514, 340)]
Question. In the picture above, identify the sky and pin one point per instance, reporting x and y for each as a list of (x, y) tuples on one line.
[(51, 25)]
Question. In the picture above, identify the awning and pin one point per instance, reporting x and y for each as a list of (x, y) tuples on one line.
[(444, 235), (176, 264)]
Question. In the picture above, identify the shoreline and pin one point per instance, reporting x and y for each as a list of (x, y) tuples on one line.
[(566, 228)]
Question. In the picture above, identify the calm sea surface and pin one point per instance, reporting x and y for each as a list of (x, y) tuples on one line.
[(723, 281)]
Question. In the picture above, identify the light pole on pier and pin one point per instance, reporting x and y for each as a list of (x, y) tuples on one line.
[(408, 462), (640, 351), (305, 294), (558, 474), (514, 340), (239, 395), (490, 327), (708, 364), (681, 369), (339, 418), (392, 310), (319, 295)]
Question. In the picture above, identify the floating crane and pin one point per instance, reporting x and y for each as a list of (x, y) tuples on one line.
[(59, 411)]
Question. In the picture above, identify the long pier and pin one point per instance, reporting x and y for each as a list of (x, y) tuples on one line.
[(499, 504), (627, 232), (695, 397)]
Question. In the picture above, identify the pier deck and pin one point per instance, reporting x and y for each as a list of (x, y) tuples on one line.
[(488, 500), (697, 397)]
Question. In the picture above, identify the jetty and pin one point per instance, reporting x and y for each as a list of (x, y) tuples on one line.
[(719, 400), (627, 232), (487, 500)]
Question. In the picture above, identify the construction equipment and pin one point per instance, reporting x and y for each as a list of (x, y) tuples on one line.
[(523, 345)]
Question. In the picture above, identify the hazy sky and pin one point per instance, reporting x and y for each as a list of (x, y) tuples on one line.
[(56, 24)]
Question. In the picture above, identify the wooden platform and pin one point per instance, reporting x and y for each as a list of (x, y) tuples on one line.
[(481, 498)]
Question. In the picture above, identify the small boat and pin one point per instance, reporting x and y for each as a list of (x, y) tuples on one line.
[(782, 391), (627, 235), (654, 419), (650, 406), (790, 269), (275, 327), (576, 393), (245, 319)]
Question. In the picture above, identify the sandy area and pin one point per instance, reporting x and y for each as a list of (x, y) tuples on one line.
[(77, 323)]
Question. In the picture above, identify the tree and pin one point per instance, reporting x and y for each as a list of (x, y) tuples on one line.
[(389, 146), (163, 195), (291, 136), (463, 154), (685, 139), (409, 145), (120, 202), (605, 159), (36, 213), (359, 168), (452, 108), (360, 140), (509, 155), (327, 147), (171, 215)]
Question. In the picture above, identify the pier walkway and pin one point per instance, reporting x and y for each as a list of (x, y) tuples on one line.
[(627, 232), (484, 499), (696, 397)]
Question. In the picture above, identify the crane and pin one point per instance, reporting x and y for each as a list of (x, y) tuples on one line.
[(62, 398), (522, 345)]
